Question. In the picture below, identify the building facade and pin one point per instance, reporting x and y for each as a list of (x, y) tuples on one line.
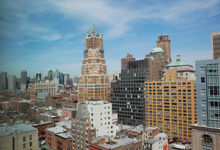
[(3, 81), (171, 105), (208, 98), (23, 80), (94, 81), (18, 136), (83, 132), (205, 138), (124, 61), (159, 55), (164, 43), (50, 87), (215, 45), (11, 82), (184, 70), (50, 75), (127, 97)]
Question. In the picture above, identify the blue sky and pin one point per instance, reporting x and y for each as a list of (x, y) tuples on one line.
[(49, 34)]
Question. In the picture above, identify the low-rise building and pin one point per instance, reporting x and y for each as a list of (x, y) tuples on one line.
[(42, 126), (18, 136), (205, 138), (124, 143), (158, 142), (69, 112)]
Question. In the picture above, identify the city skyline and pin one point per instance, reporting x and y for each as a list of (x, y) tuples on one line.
[(50, 34)]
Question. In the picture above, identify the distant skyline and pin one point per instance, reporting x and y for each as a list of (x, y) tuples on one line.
[(49, 34)]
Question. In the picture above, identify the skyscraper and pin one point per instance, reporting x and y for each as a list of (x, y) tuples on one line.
[(216, 45), (39, 77), (66, 78), (23, 80), (127, 97), (50, 75), (56, 74), (164, 43), (61, 78), (11, 82), (3, 81), (94, 81)]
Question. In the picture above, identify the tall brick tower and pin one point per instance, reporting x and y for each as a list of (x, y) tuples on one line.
[(164, 43), (94, 81)]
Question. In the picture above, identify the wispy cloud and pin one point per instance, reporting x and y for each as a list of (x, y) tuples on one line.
[(117, 18)]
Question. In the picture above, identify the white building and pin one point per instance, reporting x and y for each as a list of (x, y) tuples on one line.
[(159, 142), (101, 117), (50, 87)]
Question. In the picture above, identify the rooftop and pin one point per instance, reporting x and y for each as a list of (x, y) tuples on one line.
[(69, 109), (93, 31), (178, 62), (64, 135), (57, 129), (42, 95), (121, 143), (6, 128), (157, 50)]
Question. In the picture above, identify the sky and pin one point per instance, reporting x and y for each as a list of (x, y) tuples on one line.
[(48, 34)]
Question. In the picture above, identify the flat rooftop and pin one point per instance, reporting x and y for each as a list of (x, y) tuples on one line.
[(122, 142), (7, 129)]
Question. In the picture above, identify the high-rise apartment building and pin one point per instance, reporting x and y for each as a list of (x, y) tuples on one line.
[(208, 97), (23, 80), (3, 81), (127, 97), (215, 45), (164, 43), (12, 82), (171, 105), (93, 119), (94, 81)]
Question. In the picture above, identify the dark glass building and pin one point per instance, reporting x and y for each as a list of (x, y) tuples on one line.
[(127, 97)]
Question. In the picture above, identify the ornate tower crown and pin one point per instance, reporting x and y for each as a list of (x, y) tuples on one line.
[(94, 81)]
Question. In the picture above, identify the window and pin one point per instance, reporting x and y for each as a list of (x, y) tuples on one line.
[(202, 91), (30, 137), (202, 79), (24, 146), (206, 142), (24, 138), (202, 69), (30, 143), (203, 103), (203, 113), (203, 122)]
